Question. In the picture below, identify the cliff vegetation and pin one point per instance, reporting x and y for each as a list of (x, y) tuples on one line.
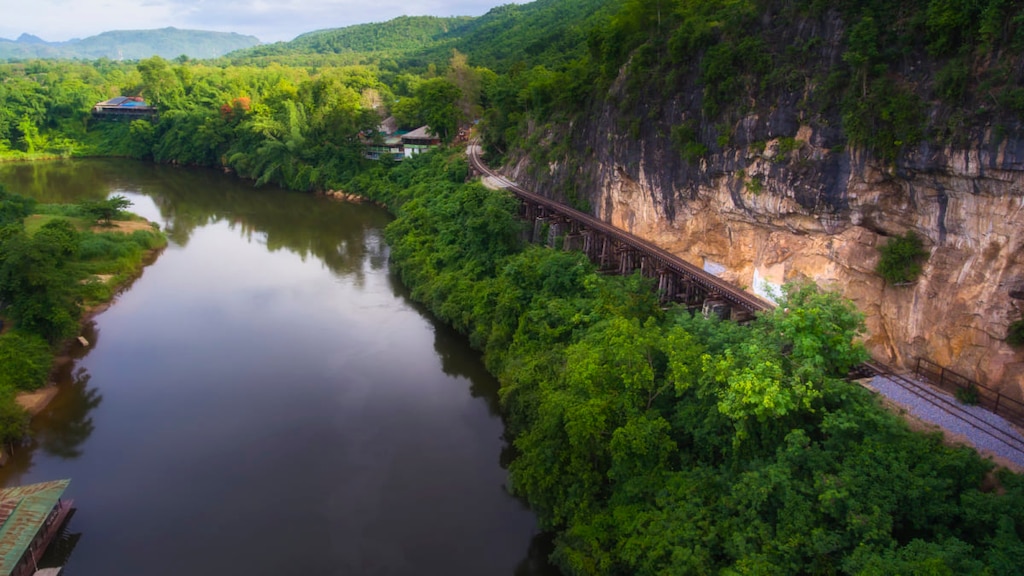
[(783, 141), (793, 140)]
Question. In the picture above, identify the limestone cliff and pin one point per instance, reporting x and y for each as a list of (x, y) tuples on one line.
[(780, 196)]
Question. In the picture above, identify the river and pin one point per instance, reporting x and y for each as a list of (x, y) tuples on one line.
[(266, 400)]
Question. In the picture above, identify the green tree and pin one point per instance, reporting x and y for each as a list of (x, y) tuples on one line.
[(30, 139), (161, 86), (36, 283), (407, 111), (817, 332), (13, 207), (468, 81), (862, 50), (104, 211), (439, 106)]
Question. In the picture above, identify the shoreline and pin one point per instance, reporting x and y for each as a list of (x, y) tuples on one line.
[(36, 401)]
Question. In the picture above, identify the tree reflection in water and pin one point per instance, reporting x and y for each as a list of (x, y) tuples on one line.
[(67, 423), (60, 429)]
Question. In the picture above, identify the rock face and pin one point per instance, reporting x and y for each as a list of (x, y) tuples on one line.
[(783, 203)]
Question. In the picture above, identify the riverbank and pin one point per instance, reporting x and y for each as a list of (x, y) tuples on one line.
[(35, 401), (630, 422), (34, 157)]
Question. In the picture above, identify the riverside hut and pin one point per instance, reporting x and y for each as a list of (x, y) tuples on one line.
[(130, 107)]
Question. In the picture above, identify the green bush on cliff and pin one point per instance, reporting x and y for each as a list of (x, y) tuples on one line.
[(902, 259), (1015, 334)]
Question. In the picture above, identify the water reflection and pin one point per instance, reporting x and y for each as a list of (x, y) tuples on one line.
[(265, 400), (59, 552), (56, 182), (536, 562), (342, 236), (66, 423), (59, 430)]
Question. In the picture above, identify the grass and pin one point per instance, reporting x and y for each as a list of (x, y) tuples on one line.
[(113, 254), (36, 221), (110, 253)]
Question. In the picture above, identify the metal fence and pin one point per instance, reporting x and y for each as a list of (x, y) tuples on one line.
[(998, 403)]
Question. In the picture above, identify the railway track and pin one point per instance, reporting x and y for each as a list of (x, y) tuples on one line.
[(925, 392), (708, 281), (948, 405)]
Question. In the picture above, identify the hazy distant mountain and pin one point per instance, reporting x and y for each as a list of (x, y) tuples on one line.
[(30, 39), (130, 45)]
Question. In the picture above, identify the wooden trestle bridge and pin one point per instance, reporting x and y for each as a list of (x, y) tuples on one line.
[(616, 251)]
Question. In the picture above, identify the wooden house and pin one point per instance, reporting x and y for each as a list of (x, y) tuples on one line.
[(391, 142), (130, 107)]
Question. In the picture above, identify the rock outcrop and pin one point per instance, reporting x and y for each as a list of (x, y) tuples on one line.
[(782, 201)]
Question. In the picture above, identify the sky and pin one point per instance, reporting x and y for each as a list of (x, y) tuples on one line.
[(268, 20)]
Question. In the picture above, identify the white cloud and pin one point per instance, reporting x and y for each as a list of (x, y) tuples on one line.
[(268, 20)]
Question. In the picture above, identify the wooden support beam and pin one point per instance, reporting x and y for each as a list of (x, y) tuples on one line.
[(540, 224), (555, 227)]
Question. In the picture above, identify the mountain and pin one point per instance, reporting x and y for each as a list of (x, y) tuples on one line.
[(548, 32), (30, 39), (361, 42), (130, 45), (544, 31)]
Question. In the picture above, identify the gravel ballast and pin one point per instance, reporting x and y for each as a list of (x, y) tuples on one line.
[(982, 440)]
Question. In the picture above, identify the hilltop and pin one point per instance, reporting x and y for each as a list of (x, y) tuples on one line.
[(130, 45)]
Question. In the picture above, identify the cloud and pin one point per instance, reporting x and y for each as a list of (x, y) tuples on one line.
[(268, 20)]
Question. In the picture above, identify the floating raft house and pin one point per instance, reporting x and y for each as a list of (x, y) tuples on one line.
[(30, 517)]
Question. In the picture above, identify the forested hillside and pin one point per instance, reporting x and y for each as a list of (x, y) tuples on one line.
[(649, 441), (359, 44), (130, 45), (885, 76)]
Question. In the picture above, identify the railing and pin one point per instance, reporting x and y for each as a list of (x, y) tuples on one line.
[(993, 400)]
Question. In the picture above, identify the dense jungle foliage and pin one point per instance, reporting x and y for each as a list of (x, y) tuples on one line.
[(883, 77), (649, 441), (359, 44), (656, 442), (54, 261)]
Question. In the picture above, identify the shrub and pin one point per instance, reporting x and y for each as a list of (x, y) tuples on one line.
[(14, 208), (13, 418), (902, 259), (885, 119), (1015, 335), (968, 395), (685, 141), (25, 361)]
